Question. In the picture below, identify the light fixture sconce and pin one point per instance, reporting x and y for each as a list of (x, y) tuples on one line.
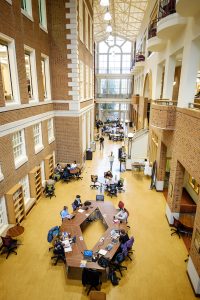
[(107, 16), (109, 28), (104, 2)]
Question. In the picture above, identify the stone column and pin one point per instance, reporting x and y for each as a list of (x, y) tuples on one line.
[(161, 166), (156, 81), (169, 77)]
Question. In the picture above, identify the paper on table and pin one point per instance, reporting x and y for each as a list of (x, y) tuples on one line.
[(87, 215), (81, 210), (66, 243), (80, 238), (68, 249), (102, 252), (83, 263)]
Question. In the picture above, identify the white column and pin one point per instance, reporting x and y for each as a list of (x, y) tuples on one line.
[(88, 129), (92, 124), (169, 77), (190, 64), (84, 132), (156, 81)]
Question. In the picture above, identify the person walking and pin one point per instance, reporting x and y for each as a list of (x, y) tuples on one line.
[(101, 140), (111, 160)]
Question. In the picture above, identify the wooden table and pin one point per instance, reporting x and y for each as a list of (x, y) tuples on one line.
[(74, 171), (106, 210), (15, 231)]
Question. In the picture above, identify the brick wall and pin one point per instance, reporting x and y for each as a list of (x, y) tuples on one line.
[(163, 117)]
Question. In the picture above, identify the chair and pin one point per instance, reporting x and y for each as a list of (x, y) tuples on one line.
[(112, 190), (66, 176), (180, 228), (78, 175), (8, 245), (96, 295), (59, 253), (117, 261), (91, 277), (53, 233), (121, 205), (50, 191), (94, 179), (120, 185), (127, 247)]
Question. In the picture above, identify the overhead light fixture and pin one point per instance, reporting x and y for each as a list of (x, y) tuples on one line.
[(109, 28), (104, 2), (107, 16)]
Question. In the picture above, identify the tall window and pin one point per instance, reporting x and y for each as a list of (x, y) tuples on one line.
[(91, 36), (81, 20), (19, 148), (86, 27), (37, 134), (26, 190), (26, 6), (28, 75), (50, 130), (42, 13), (81, 80), (86, 81), (91, 83), (46, 77), (114, 56), (3, 213), (6, 73), (1, 174)]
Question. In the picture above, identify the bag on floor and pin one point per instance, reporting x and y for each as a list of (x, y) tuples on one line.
[(113, 278)]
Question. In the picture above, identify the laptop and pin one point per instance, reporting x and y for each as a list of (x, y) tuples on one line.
[(99, 197), (87, 255)]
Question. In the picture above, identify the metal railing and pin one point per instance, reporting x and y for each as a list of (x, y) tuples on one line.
[(122, 96), (152, 30), (194, 105), (166, 8), (165, 102)]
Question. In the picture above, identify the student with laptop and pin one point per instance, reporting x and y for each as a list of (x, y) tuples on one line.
[(65, 213), (122, 215), (77, 202)]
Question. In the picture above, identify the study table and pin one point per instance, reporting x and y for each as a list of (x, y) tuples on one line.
[(105, 211), (15, 231)]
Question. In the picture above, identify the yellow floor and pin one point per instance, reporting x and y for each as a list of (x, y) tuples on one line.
[(158, 270)]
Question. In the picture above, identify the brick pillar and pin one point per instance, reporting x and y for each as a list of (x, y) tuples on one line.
[(175, 190), (193, 267), (161, 166)]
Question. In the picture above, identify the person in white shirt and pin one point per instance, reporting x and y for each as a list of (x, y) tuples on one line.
[(73, 165), (111, 160), (122, 215)]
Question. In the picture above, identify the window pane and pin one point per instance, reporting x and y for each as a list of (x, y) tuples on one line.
[(5, 73), (126, 48), (44, 78), (28, 75), (114, 64), (126, 63), (103, 63), (113, 86), (103, 47), (119, 41)]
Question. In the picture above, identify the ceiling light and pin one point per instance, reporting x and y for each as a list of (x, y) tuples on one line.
[(104, 2), (107, 16), (109, 28)]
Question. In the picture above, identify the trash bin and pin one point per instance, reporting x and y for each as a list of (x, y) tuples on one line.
[(93, 146), (88, 154)]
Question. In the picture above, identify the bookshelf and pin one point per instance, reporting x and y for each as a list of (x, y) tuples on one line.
[(35, 183), (15, 204), (49, 166)]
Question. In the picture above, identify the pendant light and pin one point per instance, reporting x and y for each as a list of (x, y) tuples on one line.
[(107, 16), (109, 28)]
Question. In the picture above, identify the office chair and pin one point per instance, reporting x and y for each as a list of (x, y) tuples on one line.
[(121, 205), (9, 245), (180, 228), (112, 190), (53, 233), (117, 261), (66, 176), (92, 278), (120, 185), (78, 175), (50, 191), (94, 179), (59, 253), (127, 247)]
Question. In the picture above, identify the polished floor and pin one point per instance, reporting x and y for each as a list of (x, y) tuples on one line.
[(158, 270)]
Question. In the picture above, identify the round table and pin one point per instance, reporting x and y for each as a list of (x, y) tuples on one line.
[(15, 231)]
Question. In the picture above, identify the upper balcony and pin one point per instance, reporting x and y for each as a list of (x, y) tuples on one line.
[(138, 62), (135, 99), (186, 10), (154, 44), (170, 22), (163, 114)]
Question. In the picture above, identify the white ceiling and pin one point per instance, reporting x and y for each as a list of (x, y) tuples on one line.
[(127, 16)]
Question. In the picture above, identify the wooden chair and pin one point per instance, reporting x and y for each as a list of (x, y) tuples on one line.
[(96, 295)]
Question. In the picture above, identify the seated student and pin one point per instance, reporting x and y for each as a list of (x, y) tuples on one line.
[(50, 181), (122, 215), (73, 165), (77, 202), (58, 169), (108, 174), (65, 214), (123, 236)]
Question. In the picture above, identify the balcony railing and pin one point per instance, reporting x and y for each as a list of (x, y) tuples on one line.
[(165, 102), (138, 57), (152, 30), (194, 105), (113, 96), (166, 8)]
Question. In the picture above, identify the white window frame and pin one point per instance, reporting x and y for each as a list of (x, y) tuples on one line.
[(87, 86), (37, 134), (42, 9), (81, 80), (91, 83), (28, 12), (34, 80), (45, 58), (81, 20), (42, 167), (13, 69), (50, 128), (3, 214), (86, 28), (22, 159), (26, 188), (1, 174), (91, 36)]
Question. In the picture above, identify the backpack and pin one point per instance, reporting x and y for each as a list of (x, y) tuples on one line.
[(113, 277), (103, 262), (119, 257)]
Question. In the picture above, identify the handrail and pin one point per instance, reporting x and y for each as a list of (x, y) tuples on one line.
[(152, 29), (165, 102), (166, 9), (113, 96), (194, 105)]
